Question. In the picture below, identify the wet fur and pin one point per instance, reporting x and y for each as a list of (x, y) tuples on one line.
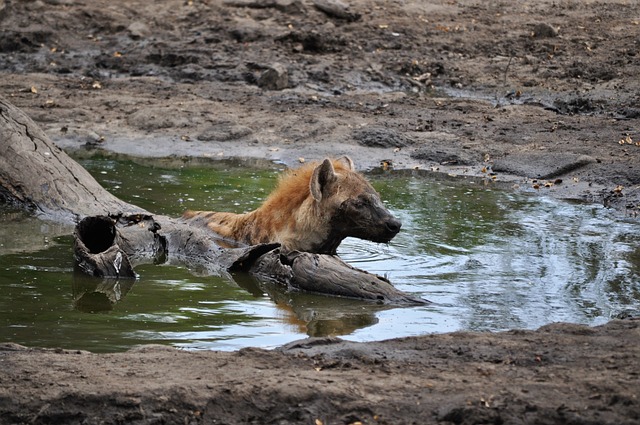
[(302, 213)]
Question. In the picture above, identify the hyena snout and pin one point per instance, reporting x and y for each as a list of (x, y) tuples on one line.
[(387, 229), (393, 225), (383, 225), (367, 218)]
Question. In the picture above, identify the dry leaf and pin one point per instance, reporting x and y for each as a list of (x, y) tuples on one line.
[(423, 77), (626, 141)]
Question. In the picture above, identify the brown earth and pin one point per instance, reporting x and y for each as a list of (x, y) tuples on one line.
[(559, 374), (539, 95)]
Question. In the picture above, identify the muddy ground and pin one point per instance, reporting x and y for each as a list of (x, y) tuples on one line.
[(541, 96)]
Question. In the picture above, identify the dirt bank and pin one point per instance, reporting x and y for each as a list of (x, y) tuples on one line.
[(541, 95), (561, 373)]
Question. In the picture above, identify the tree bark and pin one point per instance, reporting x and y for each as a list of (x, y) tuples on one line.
[(111, 236), (37, 175)]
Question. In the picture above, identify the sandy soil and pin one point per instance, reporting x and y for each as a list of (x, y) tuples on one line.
[(541, 96), (559, 374)]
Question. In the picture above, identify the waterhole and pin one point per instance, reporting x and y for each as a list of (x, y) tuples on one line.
[(489, 259)]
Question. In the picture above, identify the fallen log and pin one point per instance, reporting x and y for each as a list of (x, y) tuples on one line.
[(109, 247), (306, 271), (111, 236), (38, 176)]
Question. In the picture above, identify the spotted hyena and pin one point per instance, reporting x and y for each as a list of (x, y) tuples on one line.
[(312, 209)]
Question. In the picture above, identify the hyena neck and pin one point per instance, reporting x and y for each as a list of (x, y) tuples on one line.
[(300, 228), (327, 246)]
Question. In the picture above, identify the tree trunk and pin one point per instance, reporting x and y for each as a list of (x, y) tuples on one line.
[(112, 236), (37, 175)]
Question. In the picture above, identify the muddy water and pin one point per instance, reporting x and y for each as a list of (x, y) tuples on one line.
[(488, 259)]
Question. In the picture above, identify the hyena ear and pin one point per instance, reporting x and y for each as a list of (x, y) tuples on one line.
[(347, 162), (323, 175)]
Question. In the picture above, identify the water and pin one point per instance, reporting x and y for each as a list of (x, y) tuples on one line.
[(488, 259)]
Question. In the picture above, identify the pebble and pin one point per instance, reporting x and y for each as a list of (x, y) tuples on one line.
[(543, 30), (275, 77)]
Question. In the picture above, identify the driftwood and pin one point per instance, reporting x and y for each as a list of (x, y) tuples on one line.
[(111, 236), (37, 175)]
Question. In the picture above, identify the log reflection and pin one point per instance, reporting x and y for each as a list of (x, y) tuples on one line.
[(315, 314), (91, 295)]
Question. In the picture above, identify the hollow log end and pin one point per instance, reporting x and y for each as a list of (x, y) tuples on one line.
[(96, 233)]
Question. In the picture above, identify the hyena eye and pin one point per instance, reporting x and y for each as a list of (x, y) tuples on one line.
[(360, 202)]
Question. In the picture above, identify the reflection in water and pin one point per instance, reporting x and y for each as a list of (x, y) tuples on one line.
[(94, 295), (314, 314), (487, 258)]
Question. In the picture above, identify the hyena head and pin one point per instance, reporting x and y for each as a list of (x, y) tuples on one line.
[(350, 205)]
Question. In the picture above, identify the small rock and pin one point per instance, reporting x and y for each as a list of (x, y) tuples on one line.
[(247, 30), (541, 165), (94, 138), (442, 155), (286, 6), (276, 77), (224, 131), (155, 118), (336, 9), (381, 137), (138, 30), (543, 30)]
